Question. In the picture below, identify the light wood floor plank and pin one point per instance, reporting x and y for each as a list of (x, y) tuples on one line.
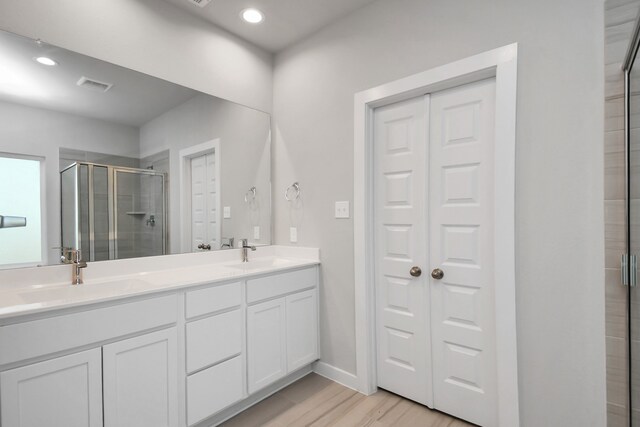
[(315, 401)]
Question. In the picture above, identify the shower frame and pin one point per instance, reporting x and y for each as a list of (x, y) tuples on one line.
[(112, 205), (629, 263)]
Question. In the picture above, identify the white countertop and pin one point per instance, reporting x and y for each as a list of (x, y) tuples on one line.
[(156, 274)]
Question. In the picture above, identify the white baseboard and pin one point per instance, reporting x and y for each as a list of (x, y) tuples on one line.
[(336, 374)]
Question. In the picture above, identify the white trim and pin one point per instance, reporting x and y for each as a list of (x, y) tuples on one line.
[(337, 375), (184, 157), (501, 63)]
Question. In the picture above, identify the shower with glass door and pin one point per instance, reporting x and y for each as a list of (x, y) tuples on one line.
[(112, 212)]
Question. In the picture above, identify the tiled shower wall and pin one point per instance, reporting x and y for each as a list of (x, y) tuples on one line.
[(620, 16)]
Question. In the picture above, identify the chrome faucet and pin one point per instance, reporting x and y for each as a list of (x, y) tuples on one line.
[(72, 256), (245, 246), (227, 242)]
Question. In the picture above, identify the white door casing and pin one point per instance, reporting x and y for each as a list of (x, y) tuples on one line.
[(403, 336), (500, 63), (461, 149)]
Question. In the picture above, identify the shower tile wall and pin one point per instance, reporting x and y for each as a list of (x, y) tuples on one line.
[(620, 18)]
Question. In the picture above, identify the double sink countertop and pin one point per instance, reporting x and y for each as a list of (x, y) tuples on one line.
[(40, 289)]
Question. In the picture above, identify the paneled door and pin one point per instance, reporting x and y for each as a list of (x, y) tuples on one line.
[(402, 327), (205, 221), (434, 212)]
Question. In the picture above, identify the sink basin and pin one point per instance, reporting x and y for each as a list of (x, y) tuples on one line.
[(75, 292), (259, 264)]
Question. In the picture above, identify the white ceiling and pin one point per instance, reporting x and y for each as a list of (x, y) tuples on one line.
[(286, 21), (134, 99)]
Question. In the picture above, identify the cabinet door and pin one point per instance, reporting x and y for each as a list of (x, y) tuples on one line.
[(266, 346), (66, 391), (141, 381), (302, 329)]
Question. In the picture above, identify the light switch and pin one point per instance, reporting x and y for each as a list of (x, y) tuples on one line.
[(293, 234), (342, 209), (256, 232), (226, 212)]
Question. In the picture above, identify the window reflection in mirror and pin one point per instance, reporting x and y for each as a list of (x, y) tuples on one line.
[(20, 212)]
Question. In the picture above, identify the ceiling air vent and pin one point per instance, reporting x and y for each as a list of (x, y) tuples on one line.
[(94, 85), (201, 3)]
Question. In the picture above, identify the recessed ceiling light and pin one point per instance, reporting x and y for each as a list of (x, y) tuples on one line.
[(46, 61), (252, 16)]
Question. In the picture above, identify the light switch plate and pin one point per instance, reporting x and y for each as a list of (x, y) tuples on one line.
[(226, 212), (342, 209), (256, 232), (293, 234)]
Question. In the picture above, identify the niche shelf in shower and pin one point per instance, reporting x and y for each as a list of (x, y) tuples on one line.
[(136, 213)]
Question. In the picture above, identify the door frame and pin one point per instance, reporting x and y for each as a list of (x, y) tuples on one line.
[(185, 155), (500, 63)]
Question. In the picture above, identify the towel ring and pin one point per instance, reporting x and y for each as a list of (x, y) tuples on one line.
[(250, 195), (295, 187)]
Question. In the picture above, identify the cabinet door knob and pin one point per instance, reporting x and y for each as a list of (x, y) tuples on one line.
[(415, 271), (437, 274)]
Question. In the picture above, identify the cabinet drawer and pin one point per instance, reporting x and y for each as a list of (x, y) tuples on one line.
[(215, 298), (23, 341), (280, 284), (214, 389), (213, 339)]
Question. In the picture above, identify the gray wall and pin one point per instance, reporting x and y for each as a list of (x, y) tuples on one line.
[(559, 172), (39, 132), (246, 160), (153, 37)]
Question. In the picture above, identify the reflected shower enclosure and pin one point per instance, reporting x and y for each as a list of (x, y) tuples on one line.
[(113, 212)]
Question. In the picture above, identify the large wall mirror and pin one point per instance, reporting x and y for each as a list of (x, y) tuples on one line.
[(119, 164)]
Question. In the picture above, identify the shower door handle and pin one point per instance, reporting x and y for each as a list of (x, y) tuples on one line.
[(12, 221)]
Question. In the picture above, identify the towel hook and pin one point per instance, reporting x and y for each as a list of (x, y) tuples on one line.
[(295, 187)]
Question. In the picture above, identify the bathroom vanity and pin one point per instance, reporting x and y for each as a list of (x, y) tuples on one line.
[(174, 345)]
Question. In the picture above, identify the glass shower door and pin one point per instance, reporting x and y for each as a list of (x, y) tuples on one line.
[(139, 214), (633, 237)]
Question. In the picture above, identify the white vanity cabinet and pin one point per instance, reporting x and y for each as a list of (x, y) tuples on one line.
[(189, 356), (65, 391), (123, 381), (140, 381), (282, 332), (214, 349)]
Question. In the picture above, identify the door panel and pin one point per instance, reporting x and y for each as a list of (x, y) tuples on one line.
[(266, 343), (66, 391), (141, 381), (403, 358), (302, 329), (434, 201), (198, 202), (461, 244), (204, 198)]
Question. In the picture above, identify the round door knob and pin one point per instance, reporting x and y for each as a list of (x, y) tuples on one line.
[(437, 274), (415, 271)]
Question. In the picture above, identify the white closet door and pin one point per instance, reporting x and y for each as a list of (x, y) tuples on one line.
[(403, 356), (461, 245), (198, 202), (213, 227), (205, 222)]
